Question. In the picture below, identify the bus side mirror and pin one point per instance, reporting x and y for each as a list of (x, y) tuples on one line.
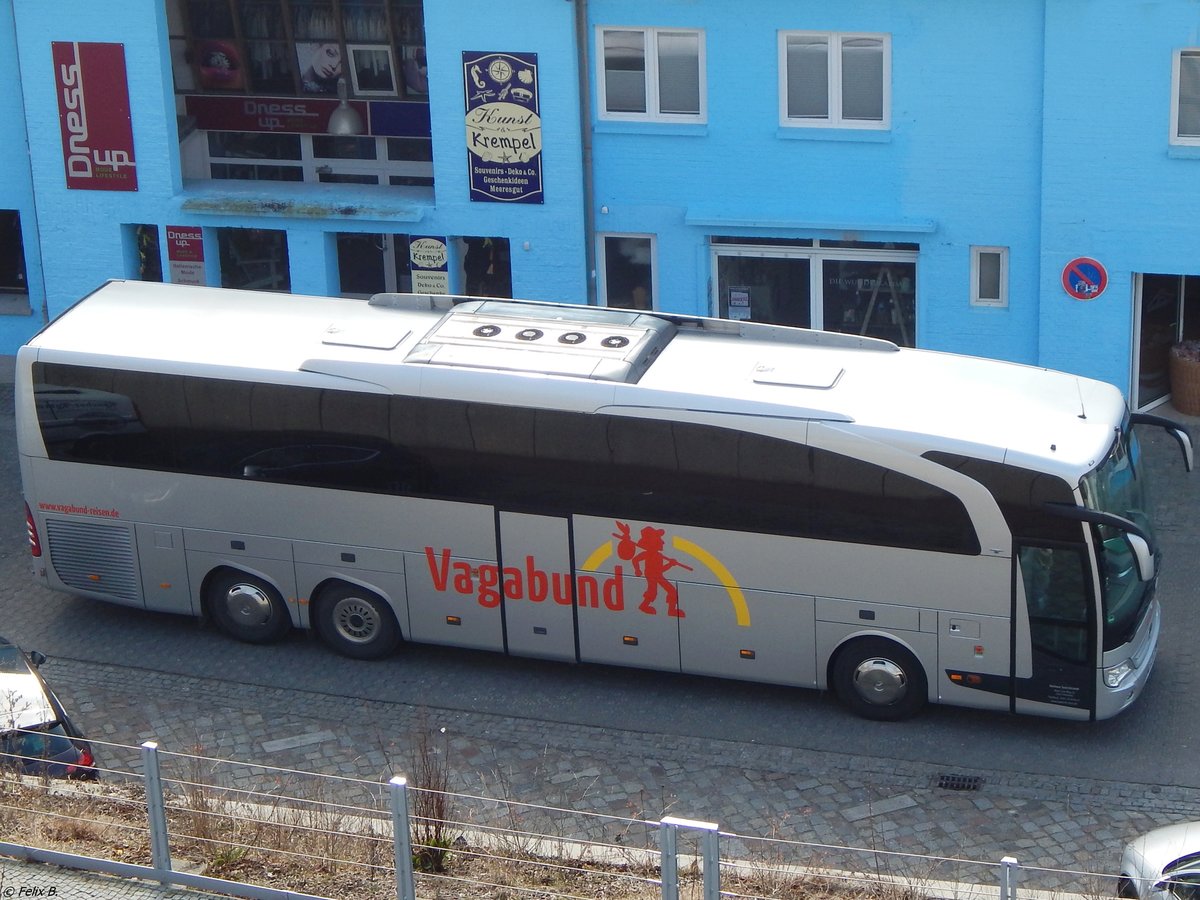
[(1185, 442), (1182, 436), (1143, 557)]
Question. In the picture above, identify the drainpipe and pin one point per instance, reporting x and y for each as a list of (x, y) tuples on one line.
[(585, 145)]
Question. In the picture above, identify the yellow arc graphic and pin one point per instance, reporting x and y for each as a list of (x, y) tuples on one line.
[(742, 612)]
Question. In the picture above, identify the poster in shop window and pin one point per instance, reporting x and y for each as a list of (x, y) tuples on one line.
[(428, 261), (185, 254), (93, 116), (504, 127)]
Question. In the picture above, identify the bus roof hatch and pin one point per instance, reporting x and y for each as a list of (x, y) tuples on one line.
[(579, 342)]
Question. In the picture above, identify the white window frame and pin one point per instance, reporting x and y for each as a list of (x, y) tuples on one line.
[(1189, 140), (602, 266), (977, 298), (817, 257), (313, 167), (652, 113), (835, 119)]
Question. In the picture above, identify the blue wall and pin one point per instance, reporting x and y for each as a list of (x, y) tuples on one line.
[(1113, 187), (959, 166), (16, 188), (1037, 125), (553, 266), (81, 231)]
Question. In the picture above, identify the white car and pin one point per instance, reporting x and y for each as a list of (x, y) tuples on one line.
[(1163, 864)]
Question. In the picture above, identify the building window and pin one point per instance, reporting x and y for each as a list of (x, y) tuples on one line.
[(12, 254), (989, 276), (290, 56), (147, 254), (254, 259), (628, 268), (14, 286), (373, 263), (651, 73), (487, 267), (1185, 99), (271, 47), (328, 159), (861, 288), (835, 80)]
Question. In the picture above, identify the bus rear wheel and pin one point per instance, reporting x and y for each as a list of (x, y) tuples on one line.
[(356, 622), (247, 608), (878, 679)]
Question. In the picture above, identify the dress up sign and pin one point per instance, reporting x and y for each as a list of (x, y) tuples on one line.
[(93, 116), (504, 126)]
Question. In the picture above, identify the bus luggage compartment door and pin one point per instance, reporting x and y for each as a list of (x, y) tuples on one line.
[(164, 569), (539, 616), (626, 617)]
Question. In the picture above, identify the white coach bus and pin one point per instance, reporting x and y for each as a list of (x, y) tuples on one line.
[(597, 485)]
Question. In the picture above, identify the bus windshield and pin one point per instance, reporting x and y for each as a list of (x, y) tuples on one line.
[(1118, 486)]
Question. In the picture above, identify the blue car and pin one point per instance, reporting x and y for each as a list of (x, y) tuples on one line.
[(36, 735)]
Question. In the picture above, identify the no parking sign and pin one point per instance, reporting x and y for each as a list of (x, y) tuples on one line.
[(1084, 278)]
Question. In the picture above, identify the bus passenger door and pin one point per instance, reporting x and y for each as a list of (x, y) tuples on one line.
[(1062, 632), (539, 602)]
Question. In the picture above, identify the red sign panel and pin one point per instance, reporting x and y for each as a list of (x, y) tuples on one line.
[(185, 253), (93, 116)]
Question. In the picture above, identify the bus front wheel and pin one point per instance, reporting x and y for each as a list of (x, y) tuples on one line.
[(878, 679), (356, 622), (247, 608)]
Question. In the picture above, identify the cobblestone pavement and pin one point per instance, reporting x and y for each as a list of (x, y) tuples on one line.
[(1062, 825)]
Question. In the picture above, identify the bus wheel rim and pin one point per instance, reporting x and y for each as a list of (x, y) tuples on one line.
[(355, 620), (248, 604), (880, 682)]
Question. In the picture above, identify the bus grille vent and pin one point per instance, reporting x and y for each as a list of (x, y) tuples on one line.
[(960, 782), (95, 558)]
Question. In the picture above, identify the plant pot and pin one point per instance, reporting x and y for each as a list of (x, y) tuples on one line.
[(1185, 383)]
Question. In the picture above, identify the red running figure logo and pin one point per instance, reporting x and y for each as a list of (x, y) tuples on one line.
[(650, 562)]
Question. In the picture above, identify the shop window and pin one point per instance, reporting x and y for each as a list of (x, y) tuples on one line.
[(834, 80), (14, 287), (989, 276), (278, 50), (372, 264), (651, 73), (12, 254), (871, 298), (861, 288), (147, 253), (254, 258), (487, 270), (271, 47), (628, 267), (1185, 100), (323, 158)]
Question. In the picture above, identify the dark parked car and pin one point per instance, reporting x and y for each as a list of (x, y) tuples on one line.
[(36, 735)]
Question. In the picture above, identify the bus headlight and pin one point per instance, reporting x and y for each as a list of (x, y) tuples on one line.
[(1116, 674)]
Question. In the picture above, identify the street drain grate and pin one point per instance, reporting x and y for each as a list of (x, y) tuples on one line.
[(960, 782)]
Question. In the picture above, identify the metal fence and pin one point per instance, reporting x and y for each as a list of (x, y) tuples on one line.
[(257, 831)]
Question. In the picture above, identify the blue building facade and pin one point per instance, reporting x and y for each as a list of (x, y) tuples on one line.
[(1013, 180)]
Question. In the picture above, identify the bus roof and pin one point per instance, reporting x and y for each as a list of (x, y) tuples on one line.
[(546, 353)]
